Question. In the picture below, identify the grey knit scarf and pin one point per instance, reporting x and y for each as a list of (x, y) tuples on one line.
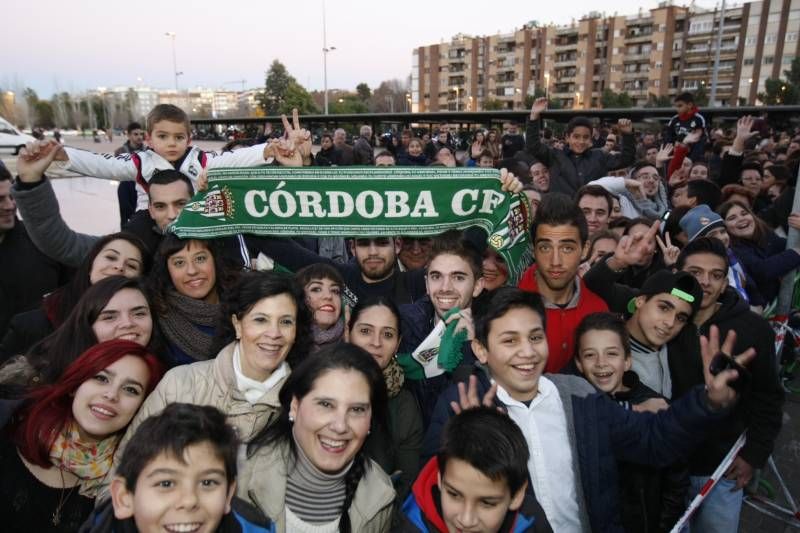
[(180, 323)]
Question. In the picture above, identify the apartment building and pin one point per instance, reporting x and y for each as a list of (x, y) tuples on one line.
[(651, 54)]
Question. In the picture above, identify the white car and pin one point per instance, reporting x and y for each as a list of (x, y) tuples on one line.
[(11, 139)]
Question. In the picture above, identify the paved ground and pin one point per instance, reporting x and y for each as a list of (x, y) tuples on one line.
[(787, 457), (89, 205)]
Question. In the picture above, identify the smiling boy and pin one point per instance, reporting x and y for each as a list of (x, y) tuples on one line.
[(178, 475), (477, 481), (578, 163), (575, 435), (169, 139)]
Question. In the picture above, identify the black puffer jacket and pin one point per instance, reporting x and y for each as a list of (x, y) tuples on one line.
[(570, 171), (652, 499)]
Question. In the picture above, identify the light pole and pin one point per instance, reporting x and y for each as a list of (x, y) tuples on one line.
[(408, 102), (547, 85), (457, 99), (325, 50), (172, 36)]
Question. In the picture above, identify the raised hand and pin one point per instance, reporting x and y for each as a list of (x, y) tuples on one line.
[(664, 154), (509, 182), (465, 322), (668, 250), (34, 159), (693, 137), (718, 390), (468, 396), (634, 249), (744, 127), (678, 178), (539, 105), (299, 136), (635, 188), (625, 126)]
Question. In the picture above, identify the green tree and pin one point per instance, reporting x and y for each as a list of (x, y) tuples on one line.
[(282, 92), (348, 104), (43, 115), (363, 91), (492, 104), (779, 92), (793, 74), (701, 96), (658, 101), (297, 96), (612, 100)]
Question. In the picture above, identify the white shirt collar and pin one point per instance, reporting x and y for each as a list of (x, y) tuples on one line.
[(254, 390), (546, 388)]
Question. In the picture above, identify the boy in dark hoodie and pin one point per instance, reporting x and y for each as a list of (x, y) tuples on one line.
[(653, 499), (687, 120), (477, 482), (178, 473)]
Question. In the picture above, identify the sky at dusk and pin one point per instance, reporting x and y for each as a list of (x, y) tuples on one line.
[(75, 45)]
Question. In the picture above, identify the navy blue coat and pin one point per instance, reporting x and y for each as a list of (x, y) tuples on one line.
[(416, 323), (604, 433), (766, 262)]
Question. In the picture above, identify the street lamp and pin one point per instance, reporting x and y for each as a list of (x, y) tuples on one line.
[(546, 84), (408, 102), (172, 36), (470, 103), (457, 102), (325, 50)]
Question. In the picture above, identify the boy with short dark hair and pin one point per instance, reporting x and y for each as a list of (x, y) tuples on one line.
[(578, 163), (687, 120), (477, 481), (575, 435), (169, 139), (178, 473)]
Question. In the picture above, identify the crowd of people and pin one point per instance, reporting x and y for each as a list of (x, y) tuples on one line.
[(154, 383)]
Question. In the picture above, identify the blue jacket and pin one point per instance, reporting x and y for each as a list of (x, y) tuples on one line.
[(766, 262), (601, 433), (422, 510), (416, 323)]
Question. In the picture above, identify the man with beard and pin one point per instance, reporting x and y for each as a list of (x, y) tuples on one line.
[(560, 234), (453, 278), (374, 270)]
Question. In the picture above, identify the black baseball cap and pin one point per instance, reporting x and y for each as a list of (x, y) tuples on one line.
[(680, 284)]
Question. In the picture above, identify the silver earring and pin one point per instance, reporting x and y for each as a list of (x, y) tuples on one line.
[(291, 419)]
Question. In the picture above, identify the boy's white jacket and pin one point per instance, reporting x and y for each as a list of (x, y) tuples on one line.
[(140, 166)]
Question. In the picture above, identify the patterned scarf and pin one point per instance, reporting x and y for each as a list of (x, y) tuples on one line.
[(322, 337), (88, 462), (394, 377), (178, 325)]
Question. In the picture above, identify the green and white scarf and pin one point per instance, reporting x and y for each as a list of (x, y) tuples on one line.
[(361, 201)]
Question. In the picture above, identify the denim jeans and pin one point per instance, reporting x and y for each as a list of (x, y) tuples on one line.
[(719, 512)]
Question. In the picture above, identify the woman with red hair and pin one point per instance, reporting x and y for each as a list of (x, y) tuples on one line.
[(58, 447)]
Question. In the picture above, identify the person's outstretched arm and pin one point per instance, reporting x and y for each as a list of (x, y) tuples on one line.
[(39, 207)]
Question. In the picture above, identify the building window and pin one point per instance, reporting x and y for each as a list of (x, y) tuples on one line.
[(749, 61), (768, 60)]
